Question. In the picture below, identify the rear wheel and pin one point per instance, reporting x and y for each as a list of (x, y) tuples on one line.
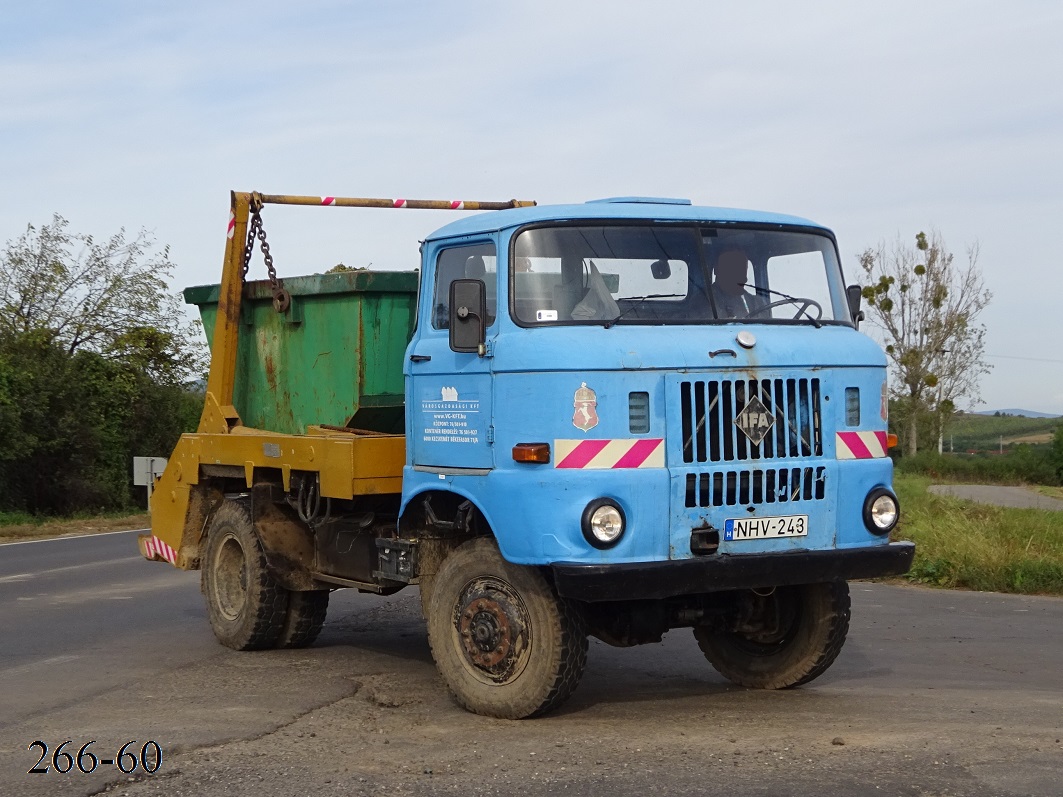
[(247, 608), (779, 639), (504, 643), (306, 615)]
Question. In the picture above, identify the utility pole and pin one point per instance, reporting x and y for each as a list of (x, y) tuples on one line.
[(941, 421)]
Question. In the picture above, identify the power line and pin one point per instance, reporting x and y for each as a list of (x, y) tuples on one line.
[(1030, 359)]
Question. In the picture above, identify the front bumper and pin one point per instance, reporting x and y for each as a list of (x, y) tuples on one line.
[(725, 572)]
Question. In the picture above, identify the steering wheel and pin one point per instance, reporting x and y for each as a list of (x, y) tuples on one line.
[(803, 305)]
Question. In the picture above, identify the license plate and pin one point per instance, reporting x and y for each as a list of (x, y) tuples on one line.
[(759, 528)]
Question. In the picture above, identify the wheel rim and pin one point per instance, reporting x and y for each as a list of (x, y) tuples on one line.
[(780, 618), (230, 578), (493, 631)]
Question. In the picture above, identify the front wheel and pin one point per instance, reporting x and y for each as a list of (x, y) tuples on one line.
[(779, 639), (504, 643)]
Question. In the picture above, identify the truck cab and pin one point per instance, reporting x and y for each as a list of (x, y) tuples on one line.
[(611, 371)]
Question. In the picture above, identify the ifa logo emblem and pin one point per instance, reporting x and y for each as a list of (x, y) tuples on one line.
[(755, 421)]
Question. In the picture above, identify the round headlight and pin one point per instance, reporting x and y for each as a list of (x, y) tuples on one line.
[(603, 523), (881, 511)]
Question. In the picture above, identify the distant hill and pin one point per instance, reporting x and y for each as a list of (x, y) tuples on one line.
[(1022, 413), (984, 431)]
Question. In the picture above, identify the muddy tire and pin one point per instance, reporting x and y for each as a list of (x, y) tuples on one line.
[(504, 643), (782, 640), (306, 615), (246, 607)]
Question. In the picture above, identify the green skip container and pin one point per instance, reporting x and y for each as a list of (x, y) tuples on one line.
[(334, 358)]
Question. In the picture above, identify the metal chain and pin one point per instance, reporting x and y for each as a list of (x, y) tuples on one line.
[(249, 247), (281, 298)]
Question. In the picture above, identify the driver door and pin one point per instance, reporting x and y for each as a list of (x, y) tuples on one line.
[(449, 393)]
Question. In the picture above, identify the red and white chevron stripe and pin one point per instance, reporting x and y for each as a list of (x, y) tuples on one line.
[(154, 548), (609, 454), (861, 445)]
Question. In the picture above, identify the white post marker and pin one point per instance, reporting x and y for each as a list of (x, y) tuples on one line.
[(146, 470)]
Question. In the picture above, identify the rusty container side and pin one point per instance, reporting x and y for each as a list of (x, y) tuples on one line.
[(335, 357)]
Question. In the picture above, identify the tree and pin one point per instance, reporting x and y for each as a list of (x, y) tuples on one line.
[(70, 424), (97, 365), (927, 306), (108, 297)]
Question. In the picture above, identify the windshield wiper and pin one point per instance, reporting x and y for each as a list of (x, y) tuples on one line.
[(638, 300), (804, 303)]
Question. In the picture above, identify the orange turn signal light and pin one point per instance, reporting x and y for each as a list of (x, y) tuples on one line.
[(891, 440), (531, 452)]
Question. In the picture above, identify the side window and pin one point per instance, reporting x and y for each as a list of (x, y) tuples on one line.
[(475, 261)]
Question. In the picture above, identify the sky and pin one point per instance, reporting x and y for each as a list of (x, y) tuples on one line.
[(877, 120)]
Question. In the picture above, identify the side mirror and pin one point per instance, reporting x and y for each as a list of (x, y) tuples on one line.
[(468, 315), (852, 296)]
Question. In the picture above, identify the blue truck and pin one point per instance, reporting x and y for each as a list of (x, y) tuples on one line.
[(611, 419)]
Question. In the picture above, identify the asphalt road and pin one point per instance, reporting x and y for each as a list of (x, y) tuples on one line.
[(935, 693), (999, 495), (83, 616)]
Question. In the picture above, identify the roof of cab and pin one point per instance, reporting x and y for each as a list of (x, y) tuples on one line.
[(616, 208)]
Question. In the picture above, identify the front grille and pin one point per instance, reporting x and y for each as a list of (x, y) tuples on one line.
[(709, 409), (747, 487)]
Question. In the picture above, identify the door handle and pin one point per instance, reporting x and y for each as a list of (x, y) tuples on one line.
[(420, 358)]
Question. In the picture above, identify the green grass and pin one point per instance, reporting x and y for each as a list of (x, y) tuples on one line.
[(962, 544), (1020, 465), (19, 519), (15, 526)]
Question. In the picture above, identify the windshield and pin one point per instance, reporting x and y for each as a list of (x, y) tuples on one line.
[(665, 274)]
